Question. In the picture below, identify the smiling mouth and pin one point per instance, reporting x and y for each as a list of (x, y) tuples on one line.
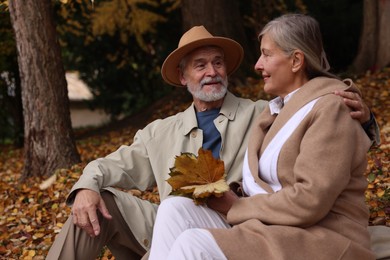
[(207, 81), (212, 83)]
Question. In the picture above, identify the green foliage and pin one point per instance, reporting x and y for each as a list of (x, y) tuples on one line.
[(114, 46), (126, 18)]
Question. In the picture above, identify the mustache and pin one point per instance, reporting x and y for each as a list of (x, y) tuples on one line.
[(209, 80)]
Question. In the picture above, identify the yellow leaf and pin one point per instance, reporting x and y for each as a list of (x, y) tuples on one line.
[(47, 183), (28, 228), (23, 238), (59, 224), (38, 235), (31, 253), (380, 193), (198, 177), (219, 186)]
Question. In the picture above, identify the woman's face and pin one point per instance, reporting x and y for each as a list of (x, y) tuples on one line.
[(276, 68)]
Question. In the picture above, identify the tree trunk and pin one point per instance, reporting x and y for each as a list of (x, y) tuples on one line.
[(48, 138), (374, 48), (384, 34), (221, 18)]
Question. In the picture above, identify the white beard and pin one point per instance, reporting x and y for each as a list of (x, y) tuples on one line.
[(214, 95)]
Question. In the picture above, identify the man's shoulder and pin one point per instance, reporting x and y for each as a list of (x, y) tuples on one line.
[(167, 122), (246, 103), (163, 127)]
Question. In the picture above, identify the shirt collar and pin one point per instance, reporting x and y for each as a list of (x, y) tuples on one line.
[(276, 104), (228, 110)]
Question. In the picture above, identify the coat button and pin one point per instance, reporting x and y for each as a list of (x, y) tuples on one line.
[(146, 242), (193, 134)]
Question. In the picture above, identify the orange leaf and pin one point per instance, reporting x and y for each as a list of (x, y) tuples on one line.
[(198, 177)]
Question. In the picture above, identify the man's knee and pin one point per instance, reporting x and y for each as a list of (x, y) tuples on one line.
[(124, 242), (109, 199)]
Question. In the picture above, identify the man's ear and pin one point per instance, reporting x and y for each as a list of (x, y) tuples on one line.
[(298, 60), (183, 81)]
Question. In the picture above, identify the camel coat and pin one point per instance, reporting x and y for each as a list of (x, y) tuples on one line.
[(320, 212), (146, 162)]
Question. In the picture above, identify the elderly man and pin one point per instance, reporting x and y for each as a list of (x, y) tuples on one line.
[(216, 120)]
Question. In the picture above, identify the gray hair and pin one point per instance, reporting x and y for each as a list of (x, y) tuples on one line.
[(300, 32)]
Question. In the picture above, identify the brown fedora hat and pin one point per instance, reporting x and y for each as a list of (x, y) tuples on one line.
[(194, 38)]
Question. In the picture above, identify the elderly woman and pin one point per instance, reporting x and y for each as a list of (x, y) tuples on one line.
[(303, 183)]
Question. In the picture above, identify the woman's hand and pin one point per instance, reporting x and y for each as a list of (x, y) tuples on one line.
[(222, 204)]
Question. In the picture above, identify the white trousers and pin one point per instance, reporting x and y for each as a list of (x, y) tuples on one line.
[(180, 231)]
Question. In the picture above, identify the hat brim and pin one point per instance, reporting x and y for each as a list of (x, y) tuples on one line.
[(233, 53)]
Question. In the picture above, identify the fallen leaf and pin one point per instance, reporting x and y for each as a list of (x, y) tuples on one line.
[(198, 177), (38, 235), (48, 182)]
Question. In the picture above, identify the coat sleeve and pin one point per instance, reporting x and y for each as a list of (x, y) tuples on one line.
[(373, 132), (128, 167), (319, 161)]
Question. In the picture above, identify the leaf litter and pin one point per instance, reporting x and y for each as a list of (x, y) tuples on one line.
[(32, 213)]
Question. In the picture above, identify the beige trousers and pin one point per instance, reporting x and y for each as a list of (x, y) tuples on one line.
[(72, 243)]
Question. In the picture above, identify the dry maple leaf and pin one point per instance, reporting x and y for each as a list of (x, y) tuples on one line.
[(198, 177)]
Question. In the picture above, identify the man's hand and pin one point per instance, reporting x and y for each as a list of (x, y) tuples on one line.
[(84, 211), (222, 204), (360, 110)]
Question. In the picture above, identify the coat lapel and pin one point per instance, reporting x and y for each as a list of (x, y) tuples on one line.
[(313, 89), (267, 126), (259, 129), (228, 112)]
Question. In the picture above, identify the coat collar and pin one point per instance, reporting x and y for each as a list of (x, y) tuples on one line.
[(313, 89), (266, 125), (229, 110)]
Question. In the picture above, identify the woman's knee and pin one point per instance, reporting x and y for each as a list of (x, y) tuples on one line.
[(173, 205), (196, 244)]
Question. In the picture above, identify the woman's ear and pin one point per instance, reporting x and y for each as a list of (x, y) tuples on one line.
[(298, 59)]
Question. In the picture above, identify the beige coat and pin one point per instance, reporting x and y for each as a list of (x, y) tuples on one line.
[(320, 212), (146, 162)]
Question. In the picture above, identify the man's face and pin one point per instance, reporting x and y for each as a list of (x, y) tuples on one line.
[(204, 74)]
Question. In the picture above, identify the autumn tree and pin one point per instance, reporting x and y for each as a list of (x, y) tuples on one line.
[(118, 46), (374, 48), (221, 18), (48, 138)]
